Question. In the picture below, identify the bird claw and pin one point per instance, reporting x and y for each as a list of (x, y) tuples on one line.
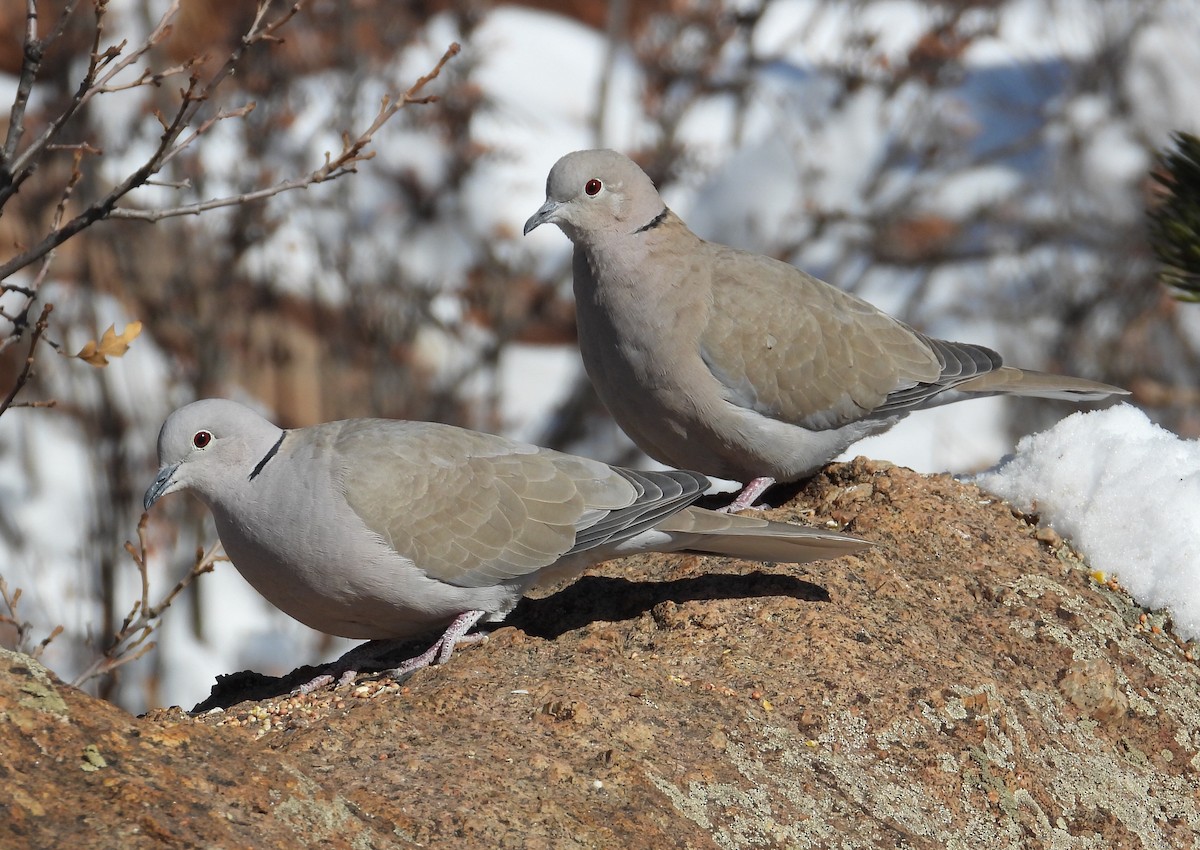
[(346, 669), (443, 648), (315, 684), (745, 500)]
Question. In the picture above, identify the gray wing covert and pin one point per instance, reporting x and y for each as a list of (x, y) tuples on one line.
[(794, 348), (960, 362), (475, 509)]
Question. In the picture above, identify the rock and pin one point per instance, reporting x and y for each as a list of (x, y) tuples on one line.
[(80, 772), (963, 685)]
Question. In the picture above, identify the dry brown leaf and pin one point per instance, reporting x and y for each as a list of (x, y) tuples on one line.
[(112, 344)]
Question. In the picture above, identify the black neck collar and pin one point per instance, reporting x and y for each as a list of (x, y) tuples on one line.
[(267, 456), (654, 222)]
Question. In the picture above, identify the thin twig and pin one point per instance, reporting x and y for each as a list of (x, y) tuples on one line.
[(151, 78), (192, 99), (60, 212), (34, 50), (12, 618), (45, 642), (204, 127), (172, 142), (89, 87), (185, 183), (130, 642), (24, 165), (38, 329), (161, 29), (23, 627), (84, 147), (21, 317), (353, 152)]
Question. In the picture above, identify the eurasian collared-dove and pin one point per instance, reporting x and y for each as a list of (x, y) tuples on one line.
[(377, 528), (736, 364)]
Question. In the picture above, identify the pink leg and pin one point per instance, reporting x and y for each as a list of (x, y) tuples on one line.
[(346, 668), (749, 494), (440, 652)]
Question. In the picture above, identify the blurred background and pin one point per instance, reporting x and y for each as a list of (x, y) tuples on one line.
[(980, 169)]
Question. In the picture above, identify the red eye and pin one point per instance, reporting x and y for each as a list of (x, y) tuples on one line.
[(592, 186), (201, 439)]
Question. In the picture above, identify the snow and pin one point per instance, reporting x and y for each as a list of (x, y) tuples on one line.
[(1126, 493), (533, 381), (748, 202), (540, 110), (965, 194), (46, 474), (1161, 93)]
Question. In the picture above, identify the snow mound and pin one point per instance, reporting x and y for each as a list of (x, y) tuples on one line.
[(1127, 493)]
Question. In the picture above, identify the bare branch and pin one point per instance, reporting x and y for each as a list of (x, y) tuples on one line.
[(38, 329), (160, 31), (229, 201), (34, 50), (204, 127), (30, 63), (151, 78), (353, 151), (129, 643), (192, 99), (185, 183), (45, 642), (268, 32), (81, 147), (12, 618), (172, 142), (24, 165), (22, 627), (21, 318)]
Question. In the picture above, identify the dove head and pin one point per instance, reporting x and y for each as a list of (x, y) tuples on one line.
[(595, 193), (209, 447)]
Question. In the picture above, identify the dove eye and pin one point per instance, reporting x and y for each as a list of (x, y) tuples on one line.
[(201, 439), (592, 186)]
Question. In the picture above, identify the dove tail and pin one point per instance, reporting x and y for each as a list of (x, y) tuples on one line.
[(756, 539), (1010, 381)]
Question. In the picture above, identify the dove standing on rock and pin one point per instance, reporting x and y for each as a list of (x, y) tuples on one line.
[(736, 364), (378, 528)]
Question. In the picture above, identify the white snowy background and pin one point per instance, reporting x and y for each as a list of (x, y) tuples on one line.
[(756, 169)]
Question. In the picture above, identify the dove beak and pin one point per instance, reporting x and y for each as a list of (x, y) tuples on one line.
[(163, 483), (544, 214)]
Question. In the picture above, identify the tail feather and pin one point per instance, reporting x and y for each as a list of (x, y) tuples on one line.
[(756, 539), (1012, 381)]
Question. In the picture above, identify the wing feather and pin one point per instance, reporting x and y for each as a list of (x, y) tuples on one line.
[(816, 356), (475, 509)]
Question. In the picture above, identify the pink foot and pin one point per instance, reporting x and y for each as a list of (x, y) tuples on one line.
[(747, 497), (346, 669), (439, 653)]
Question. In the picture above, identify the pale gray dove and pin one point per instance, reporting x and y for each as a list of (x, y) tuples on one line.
[(735, 364), (377, 528)]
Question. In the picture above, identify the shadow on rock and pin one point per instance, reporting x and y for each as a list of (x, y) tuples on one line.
[(588, 600), (593, 598)]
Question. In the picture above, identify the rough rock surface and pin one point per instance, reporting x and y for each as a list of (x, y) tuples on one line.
[(967, 684)]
